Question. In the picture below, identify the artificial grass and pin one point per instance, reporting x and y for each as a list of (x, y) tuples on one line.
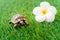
[(35, 30)]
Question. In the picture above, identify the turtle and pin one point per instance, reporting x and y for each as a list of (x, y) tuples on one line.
[(18, 20)]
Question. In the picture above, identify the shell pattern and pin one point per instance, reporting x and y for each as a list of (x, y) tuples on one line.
[(18, 20)]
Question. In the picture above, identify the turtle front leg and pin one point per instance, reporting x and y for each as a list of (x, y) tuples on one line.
[(15, 25)]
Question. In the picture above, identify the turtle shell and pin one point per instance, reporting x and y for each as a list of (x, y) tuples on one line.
[(18, 19)]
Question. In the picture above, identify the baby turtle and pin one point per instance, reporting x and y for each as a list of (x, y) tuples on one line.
[(18, 20)]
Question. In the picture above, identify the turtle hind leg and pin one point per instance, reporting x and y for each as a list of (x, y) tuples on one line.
[(15, 25)]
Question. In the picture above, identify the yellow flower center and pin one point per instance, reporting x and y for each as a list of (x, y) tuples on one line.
[(44, 11)]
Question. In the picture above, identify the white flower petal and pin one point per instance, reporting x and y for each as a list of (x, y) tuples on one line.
[(44, 4), (40, 18), (52, 9), (50, 17), (36, 10)]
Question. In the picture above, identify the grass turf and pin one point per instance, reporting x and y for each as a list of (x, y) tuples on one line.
[(35, 30)]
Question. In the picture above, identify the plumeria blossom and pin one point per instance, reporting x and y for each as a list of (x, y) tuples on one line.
[(45, 12)]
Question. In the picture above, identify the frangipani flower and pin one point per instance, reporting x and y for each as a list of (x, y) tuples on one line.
[(45, 12)]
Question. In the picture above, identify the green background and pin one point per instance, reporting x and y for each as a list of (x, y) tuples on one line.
[(35, 30)]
